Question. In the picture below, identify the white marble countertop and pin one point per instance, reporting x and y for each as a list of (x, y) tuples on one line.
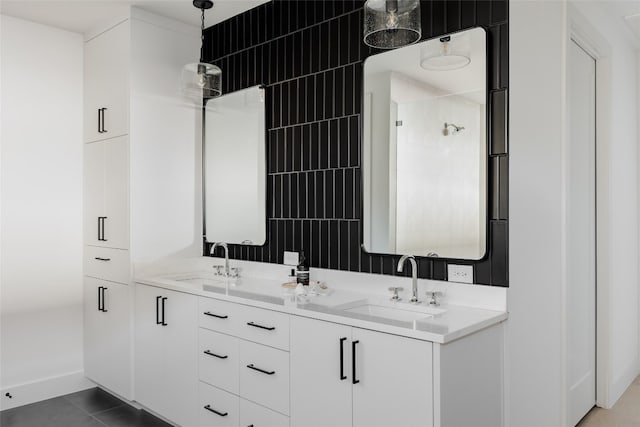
[(441, 324)]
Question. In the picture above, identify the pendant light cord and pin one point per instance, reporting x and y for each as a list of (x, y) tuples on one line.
[(202, 36)]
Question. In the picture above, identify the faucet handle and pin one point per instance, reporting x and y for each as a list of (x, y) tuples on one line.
[(395, 289), (218, 270), (235, 272), (434, 297)]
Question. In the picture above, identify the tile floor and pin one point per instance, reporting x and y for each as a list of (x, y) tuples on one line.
[(88, 408), (625, 413)]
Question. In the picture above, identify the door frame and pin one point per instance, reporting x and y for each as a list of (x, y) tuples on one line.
[(591, 41)]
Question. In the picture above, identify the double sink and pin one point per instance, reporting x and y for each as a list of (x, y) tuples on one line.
[(377, 308)]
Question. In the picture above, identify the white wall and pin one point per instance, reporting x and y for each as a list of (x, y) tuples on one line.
[(536, 331), (534, 339), (41, 202)]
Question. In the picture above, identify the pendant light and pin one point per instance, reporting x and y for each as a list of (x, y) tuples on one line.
[(201, 80), (389, 24), (447, 54)]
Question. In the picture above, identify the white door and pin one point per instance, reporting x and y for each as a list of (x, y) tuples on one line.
[(149, 348), (107, 335), (394, 381), (93, 192), (106, 86), (115, 226), (581, 240), (320, 377), (180, 329)]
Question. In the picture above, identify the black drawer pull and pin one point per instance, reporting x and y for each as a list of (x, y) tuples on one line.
[(353, 360), (158, 322), (255, 325), (260, 370), (210, 409), (163, 322), (207, 352), (217, 316), (342, 375), (102, 259)]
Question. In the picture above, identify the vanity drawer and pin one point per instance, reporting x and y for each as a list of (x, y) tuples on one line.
[(220, 316), (218, 408), (219, 360), (264, 376), (259, 416), (264, 326), (106, 263)]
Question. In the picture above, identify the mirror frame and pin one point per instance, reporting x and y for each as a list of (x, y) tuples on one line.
[(487, 156)]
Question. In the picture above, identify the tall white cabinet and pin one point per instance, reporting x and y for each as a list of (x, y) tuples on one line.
[(135, 126)]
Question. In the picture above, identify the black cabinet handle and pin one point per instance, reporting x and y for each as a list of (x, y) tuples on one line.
[(208, 313), (99, 298), (260, 370), (99, 120), (207, 352), (158, 311), (342, 375), (102, 259), (163, 322), (103, 121), (103, 309), (101, 221), (353, 364), (210, 409), (255, 325)]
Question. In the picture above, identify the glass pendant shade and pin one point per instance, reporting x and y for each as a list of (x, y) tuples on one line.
[(201, 81), (451, 53), (389, 24)]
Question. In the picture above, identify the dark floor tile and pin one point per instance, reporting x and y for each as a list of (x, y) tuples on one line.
[(127, 416), (94, 400), (58, 412)]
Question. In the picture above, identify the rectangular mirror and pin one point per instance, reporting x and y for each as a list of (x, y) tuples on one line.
[(235, 168), (425, 148)]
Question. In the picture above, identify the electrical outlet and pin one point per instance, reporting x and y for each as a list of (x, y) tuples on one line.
[(460, 273), (291, 258)]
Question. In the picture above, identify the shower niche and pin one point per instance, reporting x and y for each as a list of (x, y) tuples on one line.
[(425, 149)]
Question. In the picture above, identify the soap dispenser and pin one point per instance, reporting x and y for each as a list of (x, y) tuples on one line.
[(302, 272)]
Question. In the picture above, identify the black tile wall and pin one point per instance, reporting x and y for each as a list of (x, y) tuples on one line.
[(309, 55)]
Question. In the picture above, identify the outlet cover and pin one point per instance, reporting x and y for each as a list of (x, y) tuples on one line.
[(291, 258), (460, 273)]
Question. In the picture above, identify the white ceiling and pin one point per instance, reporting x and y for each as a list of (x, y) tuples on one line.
[(81, 16)]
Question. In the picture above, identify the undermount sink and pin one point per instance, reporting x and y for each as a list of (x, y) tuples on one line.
[(203, 281), (391, 311)]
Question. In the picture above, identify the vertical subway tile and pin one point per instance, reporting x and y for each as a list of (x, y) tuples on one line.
[(288, 152), (324, 46), (320, 194), (499, 242), (293, 195), (344, 43), (467, 13), (354, 141), (438, 18), (348, 92), (297, 148), (315, 243), (483, 12), (498, 123), (324, 145), (503, 189), (343, 245), (349, 184), (338, 191), (329, 91), (306, 147), (334, 147), (293, 102), (338, 92), (320, 97), (286, 196), (355, 36), (281, 241), (284, 104), (302, 195), (334, 42), (297, 236), (288, 236), (354, 246), (324, 244), (494, 187), (328, 194), (453, 14), (493, 56), (498, 11), (310, 109), (312, 195), (314, 146), (439, 270), (504, 55), (343, 142), (334, 245)]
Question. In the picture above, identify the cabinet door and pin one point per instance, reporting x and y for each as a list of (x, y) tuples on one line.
[(107, 84), (116, 193), (320, 383), (107, 335), (180, 357), (394, 381), (149, 347), (93, 192)]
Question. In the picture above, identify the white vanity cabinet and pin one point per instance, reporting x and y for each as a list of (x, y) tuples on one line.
[(106, 83), (107, 342), (362, 378), (244, 367), (166, 353)]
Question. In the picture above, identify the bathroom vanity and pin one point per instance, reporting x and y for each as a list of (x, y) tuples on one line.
[(210, 352)]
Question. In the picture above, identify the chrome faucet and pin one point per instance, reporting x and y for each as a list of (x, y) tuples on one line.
[(414, 275), (226, 256)]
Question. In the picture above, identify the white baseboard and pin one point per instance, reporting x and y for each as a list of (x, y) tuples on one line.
[(47, 388)]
